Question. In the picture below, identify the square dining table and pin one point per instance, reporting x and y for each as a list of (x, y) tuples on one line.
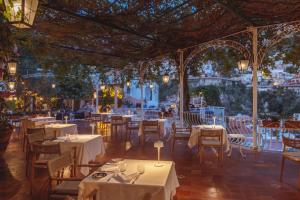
[(56, 130), (156, 183), (87, 148)]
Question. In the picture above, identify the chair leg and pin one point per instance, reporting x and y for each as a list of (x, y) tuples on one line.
[(201, 153), (282, 168), (173, 144)]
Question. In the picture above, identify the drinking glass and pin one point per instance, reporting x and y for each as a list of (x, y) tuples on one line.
[(140, 168), (122, 166)]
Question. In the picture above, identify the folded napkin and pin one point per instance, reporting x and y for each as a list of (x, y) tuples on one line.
[(127, 177), (111, 168)]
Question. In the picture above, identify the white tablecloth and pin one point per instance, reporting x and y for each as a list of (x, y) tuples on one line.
[(87, 148), (164, 126), (156, 183), (60, 129), (196, 130), (36, 119)]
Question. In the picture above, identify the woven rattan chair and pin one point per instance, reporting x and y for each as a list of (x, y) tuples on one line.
[(60, 186), (131, 127), (149, 127), (116, 122), (180, 133), (32, 138), (293, 156), (211, 138)]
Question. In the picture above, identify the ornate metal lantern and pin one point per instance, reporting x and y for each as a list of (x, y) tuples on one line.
[(53, 85), (11, 85), (128, 83), (12, 68), (243, 65), (166, 78), (21, 12), (151, 85)]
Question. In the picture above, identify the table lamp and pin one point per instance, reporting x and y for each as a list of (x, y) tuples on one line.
[(158, 144), (66, 119), (93, 128)]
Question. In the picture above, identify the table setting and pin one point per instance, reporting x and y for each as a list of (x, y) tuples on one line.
[(133, 179)]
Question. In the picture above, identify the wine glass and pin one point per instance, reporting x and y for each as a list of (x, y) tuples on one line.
[(122, 166), (140, 168)]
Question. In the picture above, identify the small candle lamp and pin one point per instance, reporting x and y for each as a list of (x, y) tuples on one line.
[(66, 119), (158, 144)]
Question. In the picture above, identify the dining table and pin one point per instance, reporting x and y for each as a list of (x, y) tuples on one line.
[(55, 130), (152, 182), (87, 148), (196, 131)]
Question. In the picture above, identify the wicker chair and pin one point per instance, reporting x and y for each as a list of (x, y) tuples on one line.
[(116, 122), (60, 186), (211, 138), (131, 126), (180, 133), (39, 156), (293, 156), (24, 123), (149, 128), (32, 138)]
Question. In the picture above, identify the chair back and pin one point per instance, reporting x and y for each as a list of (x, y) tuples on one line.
[(130, 124), (180, 130), (35, 137), (211, 134), (59, 163), (150, 127), (291, 142), (116, 120), (36, 130), (51, 148)]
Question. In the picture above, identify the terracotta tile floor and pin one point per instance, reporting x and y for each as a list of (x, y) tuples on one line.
[(253, 178)]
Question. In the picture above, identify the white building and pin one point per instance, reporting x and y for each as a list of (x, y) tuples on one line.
[(133, 94)]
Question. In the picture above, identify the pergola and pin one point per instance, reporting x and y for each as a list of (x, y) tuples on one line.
[(118, 32)]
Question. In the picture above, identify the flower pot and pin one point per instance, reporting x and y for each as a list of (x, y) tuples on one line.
[(4, 140)]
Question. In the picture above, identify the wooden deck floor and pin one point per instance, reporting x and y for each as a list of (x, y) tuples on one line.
[(253, 178)]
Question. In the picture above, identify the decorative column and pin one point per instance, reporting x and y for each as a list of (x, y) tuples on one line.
[(181, 89), (254, 84)]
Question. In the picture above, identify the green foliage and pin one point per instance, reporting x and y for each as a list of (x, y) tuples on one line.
[(211, 94), (281, 101), (4, 123)]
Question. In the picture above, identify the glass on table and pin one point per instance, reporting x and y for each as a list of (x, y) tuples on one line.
[(122, 166), (140, 168)]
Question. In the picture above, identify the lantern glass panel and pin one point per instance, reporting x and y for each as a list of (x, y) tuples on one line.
[(21, 12)]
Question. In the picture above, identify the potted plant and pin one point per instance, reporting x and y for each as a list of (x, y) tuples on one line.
[(6, 128)]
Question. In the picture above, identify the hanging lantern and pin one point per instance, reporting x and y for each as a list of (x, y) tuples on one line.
[(243, 65), (166, 78), (21, 12), (128, 83), (102, 87), (151, 85), (12, 68), (11, 85), (53, 85), (95, 95)]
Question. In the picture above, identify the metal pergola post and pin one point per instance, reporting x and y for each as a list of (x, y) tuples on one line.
[(97, 98), (116, 97), (254, 84), (181, 88)]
